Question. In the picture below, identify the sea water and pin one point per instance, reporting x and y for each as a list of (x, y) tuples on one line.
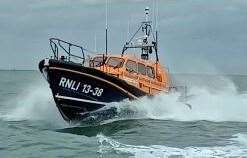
[(215, 124)]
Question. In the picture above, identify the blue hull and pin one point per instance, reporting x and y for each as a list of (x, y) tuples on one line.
[(79, 90)]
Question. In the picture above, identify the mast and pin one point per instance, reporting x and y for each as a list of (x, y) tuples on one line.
[(147, 13), (95, 43), (147, 42), (156, 46), (156, 30), (106, 28)]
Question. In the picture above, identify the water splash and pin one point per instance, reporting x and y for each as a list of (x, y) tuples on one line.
[(222, 103), (204, 106), (34, 103)]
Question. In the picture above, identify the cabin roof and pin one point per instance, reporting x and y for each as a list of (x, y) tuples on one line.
[(132, 57)]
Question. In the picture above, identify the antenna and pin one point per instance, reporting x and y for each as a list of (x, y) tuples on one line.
[(95, 43), (128, 30), (156, 15), (156, 28), (147, 13), (106, 28), (154, 12)]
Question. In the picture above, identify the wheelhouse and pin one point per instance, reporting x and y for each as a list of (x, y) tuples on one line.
[(149, 76)]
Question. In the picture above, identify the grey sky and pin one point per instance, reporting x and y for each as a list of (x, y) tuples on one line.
[(196, 36)]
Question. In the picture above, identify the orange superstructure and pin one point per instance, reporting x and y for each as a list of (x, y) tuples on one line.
[(146, 75)]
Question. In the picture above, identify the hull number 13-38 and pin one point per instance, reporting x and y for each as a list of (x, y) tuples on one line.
[(77, 86), (94, 91)]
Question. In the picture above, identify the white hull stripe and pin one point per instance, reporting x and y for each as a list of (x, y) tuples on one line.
[(80, 100), (95, 77)]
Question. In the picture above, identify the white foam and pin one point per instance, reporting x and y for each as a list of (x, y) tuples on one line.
[(222, 104), (107, 145), (34, 103)]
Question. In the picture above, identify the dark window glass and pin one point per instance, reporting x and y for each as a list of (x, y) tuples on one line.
[(131, 66), (96, 62), (141, 69), (150, 71), (115, 62)]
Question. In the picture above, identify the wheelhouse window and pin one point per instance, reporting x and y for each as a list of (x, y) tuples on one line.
[(150, 71), (141, 69), (115, 62), (131, 66), (96, 62)]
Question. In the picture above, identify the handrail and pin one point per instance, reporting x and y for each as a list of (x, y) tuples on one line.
[(56, 43)]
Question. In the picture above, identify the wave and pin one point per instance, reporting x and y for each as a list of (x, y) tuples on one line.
[(240, 139), (107, 145)]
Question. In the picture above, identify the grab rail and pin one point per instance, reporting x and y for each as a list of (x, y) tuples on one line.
[(56, 43)]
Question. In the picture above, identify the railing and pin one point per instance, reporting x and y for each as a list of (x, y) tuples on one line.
[(57, 45)]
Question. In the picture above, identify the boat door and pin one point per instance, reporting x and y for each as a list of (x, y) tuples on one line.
[(131, 73), (144, 80)]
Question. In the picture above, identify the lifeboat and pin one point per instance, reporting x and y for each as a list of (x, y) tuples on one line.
[(81, 86)]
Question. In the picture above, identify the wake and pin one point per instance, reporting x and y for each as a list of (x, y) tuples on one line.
[(237, 148), (205, 103)]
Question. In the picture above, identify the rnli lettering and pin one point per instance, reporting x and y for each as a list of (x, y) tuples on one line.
[(77, 86), (67, 83)]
